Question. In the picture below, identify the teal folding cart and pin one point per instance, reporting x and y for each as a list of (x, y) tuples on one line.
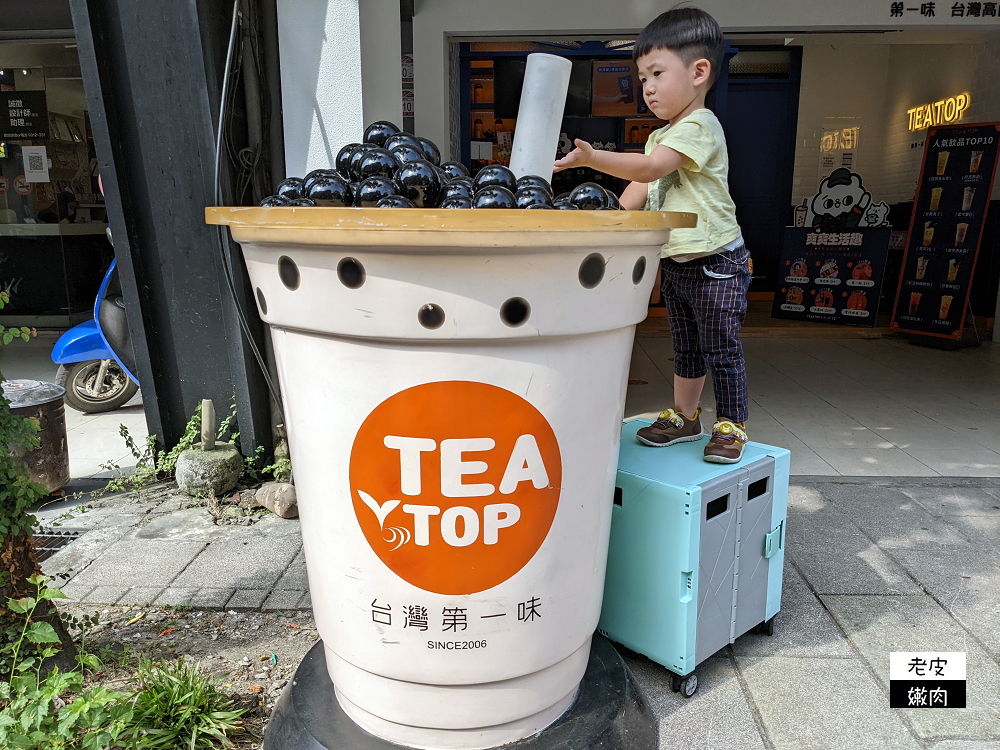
[(696, 551)]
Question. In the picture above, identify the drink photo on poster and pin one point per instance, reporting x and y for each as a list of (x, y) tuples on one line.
[(949, 214)]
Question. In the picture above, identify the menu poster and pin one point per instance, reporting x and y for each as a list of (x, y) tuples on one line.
[(616, 90), (831, 277), (949, 211)]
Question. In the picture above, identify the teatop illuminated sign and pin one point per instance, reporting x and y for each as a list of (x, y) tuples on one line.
[(938, 113)]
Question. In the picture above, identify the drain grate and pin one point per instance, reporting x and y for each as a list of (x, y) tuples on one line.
[(51, 541)]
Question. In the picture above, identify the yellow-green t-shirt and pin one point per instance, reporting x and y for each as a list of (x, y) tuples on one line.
[(700, 186)]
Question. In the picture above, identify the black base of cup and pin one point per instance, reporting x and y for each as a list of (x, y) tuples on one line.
[(609, 712)]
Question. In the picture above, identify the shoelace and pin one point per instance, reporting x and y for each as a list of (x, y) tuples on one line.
[(728, 432)]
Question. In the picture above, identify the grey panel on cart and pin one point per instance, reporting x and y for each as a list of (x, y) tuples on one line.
[(755, 523), (716, 562)]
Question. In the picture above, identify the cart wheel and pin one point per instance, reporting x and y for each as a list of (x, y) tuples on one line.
[(675, 682), (689, 685)]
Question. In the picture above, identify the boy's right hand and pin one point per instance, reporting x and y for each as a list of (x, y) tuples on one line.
[(578, 157)]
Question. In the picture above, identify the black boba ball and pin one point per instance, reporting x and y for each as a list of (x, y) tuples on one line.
[(457, 189), (563, 204), (613, 202), (495, 175), (332, 191), (530, 197), (455, 169), (456, 201), (303, 202), (494, 196), (419, 182), (372, 190), (431, 151), (357, 155), (290, 188), (273, 201), (562, 196), (343, 160), (589, 197), (404, 154), (533, 180), (377, 163), (395, 201), (309, 179), (379, 132), (402, 139)]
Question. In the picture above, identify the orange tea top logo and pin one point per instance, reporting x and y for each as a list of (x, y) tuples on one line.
[(455, 484)]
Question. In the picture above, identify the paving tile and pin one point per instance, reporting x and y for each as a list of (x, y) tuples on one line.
[(211, 598), (145, 562), (247, 563), (283, 599), (950, 461), (186, 525), (837, 558), (295, 576), (76, 592), (822, 704), (717, 716), (893, 520), (877, 625), (954, 501), (873, 462), (175, 596), (965, 582), (306, 602), (140, 595), (247, 599), (966, 745), (78, 554), (802, 627)]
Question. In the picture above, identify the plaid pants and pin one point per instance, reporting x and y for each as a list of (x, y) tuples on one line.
[(706, 304)]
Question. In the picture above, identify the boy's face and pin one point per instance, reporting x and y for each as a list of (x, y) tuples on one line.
[(669, 84)]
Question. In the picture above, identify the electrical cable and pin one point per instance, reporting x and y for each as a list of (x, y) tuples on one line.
[(224, 246)]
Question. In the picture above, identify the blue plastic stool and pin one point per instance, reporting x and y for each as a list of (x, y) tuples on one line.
[(696, 550)]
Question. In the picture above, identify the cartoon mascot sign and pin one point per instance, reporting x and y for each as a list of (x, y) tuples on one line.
[(843, 202)]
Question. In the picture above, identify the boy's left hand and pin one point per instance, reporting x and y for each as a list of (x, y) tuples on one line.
[(578, 157)]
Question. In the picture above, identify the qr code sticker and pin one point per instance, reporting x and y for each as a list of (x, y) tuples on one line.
[(35, 163)]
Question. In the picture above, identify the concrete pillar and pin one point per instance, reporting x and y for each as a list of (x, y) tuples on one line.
[(381, 60), (321, 93)]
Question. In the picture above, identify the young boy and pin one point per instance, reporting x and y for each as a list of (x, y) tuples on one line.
[(705, 270)]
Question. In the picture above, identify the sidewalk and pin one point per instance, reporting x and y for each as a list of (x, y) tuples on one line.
[(872, 566)]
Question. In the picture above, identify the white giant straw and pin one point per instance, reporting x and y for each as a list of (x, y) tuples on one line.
[(539, 118)]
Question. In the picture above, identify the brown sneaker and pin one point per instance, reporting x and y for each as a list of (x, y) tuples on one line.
[(726, 445), (671, 427)]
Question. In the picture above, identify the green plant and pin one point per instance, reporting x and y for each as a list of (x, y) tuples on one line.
[(33, 713), (17, 491), (149, 463), (179, 707), (281, 469)]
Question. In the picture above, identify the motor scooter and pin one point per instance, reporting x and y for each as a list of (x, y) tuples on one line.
[(96, 363)]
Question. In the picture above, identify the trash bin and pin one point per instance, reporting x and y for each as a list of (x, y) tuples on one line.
[(453, 387), (48, 464)]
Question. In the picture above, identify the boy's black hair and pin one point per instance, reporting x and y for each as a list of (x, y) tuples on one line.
[(690, 33)]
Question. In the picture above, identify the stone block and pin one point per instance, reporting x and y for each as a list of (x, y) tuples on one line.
[(247, 599), (209, 472), (717, 716), (283, 600), (878, 625), (279, 498), (822, 704)]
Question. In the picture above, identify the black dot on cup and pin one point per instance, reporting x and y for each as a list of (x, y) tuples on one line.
[(515, 311), (431, 316), (639, 270), (289, 272), (592, 270), (261, 302), (351, 273)]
